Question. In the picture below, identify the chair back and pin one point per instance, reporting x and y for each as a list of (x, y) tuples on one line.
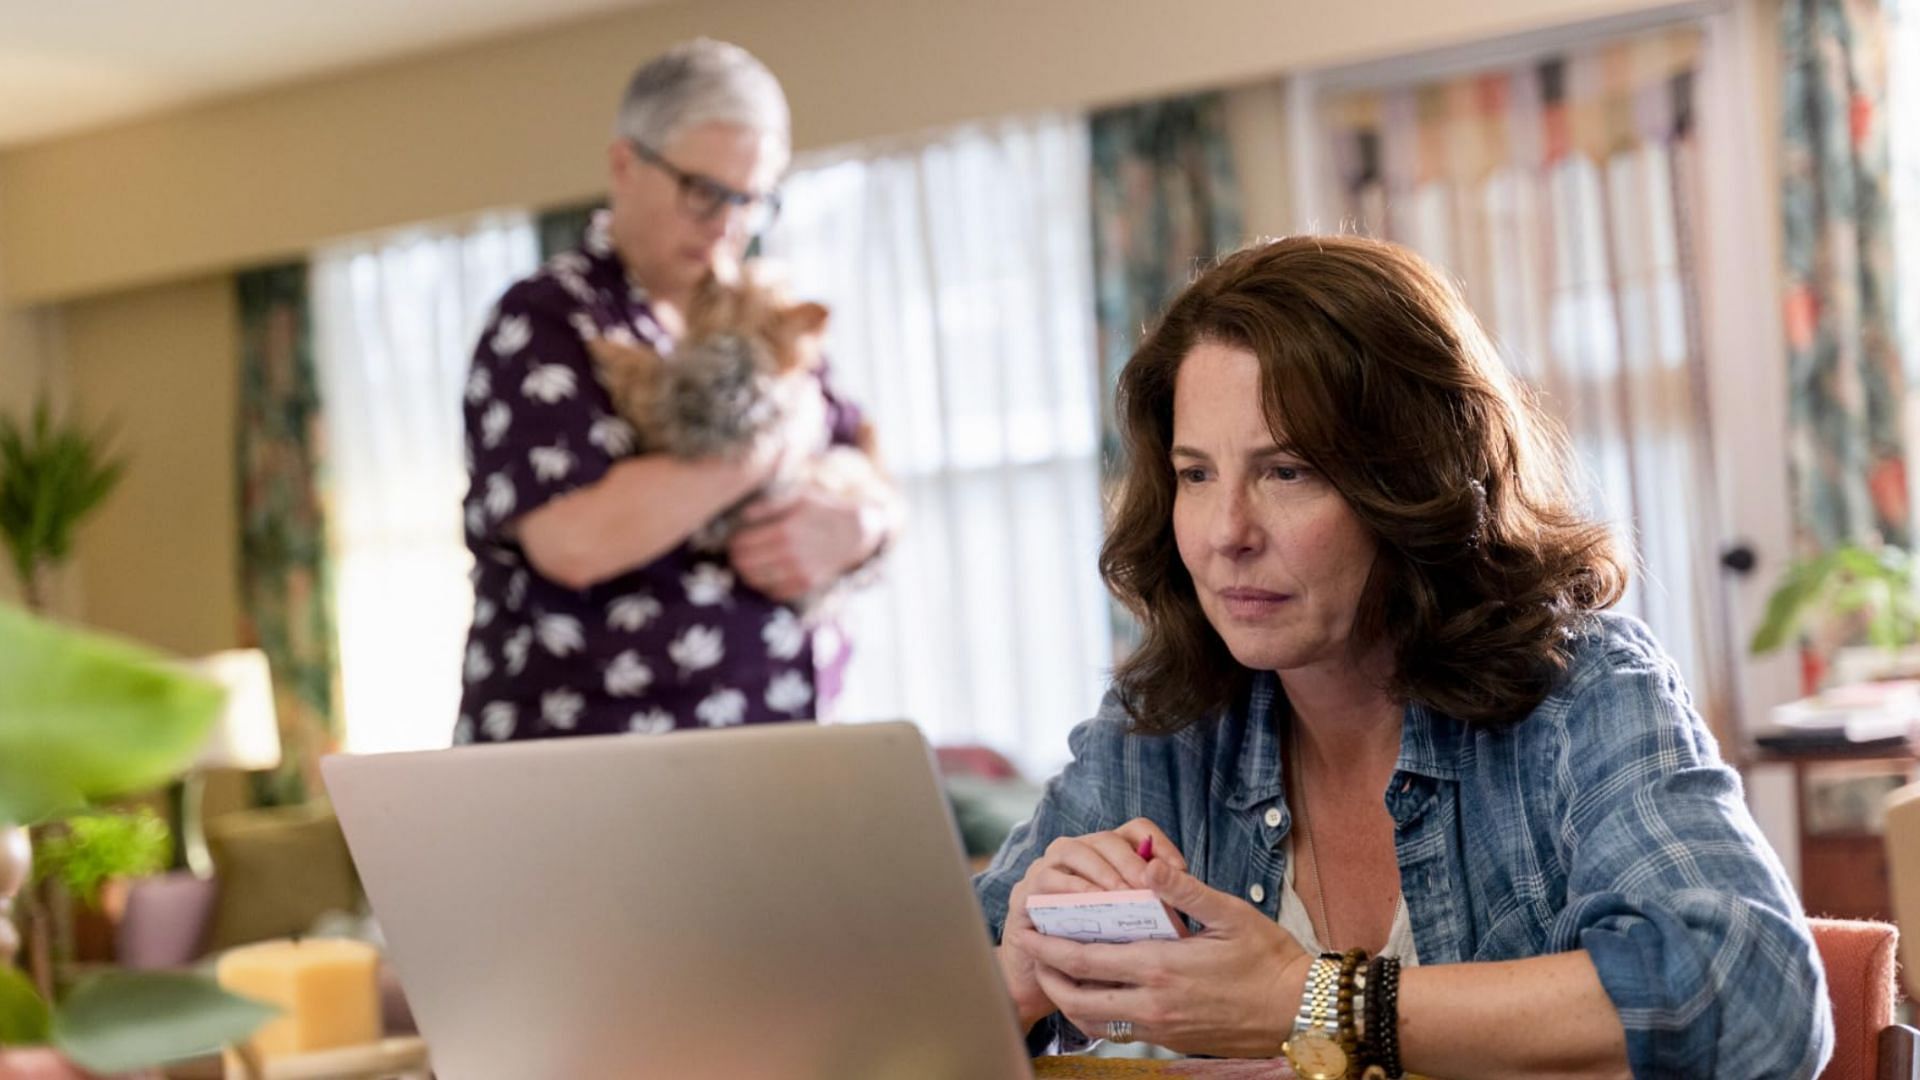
[(1858, 956)]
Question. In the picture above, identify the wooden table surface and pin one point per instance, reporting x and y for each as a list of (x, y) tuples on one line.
[(1046, 1068), (1075, 1068)]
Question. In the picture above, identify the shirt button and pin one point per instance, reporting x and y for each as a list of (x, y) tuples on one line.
[(1258, 894), (1273, 817)]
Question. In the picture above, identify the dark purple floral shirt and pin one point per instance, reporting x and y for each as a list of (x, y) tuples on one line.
[(681, 642)]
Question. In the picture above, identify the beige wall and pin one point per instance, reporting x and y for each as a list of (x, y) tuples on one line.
[(523, 121), (158, 562), (131, 231)]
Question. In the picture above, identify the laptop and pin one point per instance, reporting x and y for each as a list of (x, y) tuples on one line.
[(774, 902)]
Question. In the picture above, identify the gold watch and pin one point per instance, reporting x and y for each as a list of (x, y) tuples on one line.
[(1314, 1048)]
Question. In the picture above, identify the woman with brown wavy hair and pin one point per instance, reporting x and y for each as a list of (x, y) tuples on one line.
[(1431, 805)]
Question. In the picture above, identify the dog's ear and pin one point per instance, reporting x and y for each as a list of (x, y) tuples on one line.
[(804, 320), (795, 338)]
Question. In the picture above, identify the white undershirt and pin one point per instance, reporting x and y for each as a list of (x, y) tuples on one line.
[(1294, 920)]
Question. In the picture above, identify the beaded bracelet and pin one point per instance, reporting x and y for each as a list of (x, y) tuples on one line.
[(1382, 1039), (1360, 1006), (1350, 962)]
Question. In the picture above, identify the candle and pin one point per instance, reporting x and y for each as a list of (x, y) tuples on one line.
[(328, 991)]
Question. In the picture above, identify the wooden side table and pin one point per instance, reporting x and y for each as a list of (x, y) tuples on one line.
[(1843, 867)]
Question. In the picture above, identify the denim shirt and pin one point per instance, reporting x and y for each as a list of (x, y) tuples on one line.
[(1604, 821)]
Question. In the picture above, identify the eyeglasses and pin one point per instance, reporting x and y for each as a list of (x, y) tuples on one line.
[(703, 197)]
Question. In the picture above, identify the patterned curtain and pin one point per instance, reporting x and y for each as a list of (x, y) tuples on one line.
[(1561, 193), (1165, 203), (560, 230), (286, 594), (1847, 388)]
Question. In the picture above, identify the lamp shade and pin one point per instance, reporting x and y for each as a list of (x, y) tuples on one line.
[(247, 734)]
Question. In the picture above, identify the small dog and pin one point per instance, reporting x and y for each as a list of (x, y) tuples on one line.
[(718, 390)]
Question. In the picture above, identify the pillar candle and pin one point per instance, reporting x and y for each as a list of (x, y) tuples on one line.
[(328, 991)]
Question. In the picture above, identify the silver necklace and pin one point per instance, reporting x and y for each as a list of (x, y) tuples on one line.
[(1300, 790)]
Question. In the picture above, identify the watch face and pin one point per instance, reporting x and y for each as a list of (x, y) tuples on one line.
[(1314, 1056)]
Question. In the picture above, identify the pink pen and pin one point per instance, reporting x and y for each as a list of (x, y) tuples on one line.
[(1146, 849)]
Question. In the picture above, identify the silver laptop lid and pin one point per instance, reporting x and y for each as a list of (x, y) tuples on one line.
[(775, 902)]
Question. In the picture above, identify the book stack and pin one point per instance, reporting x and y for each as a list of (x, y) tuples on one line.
[(1858, 717)]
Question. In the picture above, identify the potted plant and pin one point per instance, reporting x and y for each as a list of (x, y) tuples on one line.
[(91, 860), (1857, 593), (52, 477), (84, 718)]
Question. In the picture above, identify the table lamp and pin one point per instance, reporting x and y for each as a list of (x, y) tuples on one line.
[(245, 736)]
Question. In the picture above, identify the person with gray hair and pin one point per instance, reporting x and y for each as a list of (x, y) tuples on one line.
[(701, 82), (594, 610)]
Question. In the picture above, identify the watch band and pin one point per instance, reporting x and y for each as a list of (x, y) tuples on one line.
[(1318, 1000), (1314, 1049)]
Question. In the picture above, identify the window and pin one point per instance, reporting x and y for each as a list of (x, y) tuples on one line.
[(958, 271), (394, 326), (1903, 128), (1562, 193)]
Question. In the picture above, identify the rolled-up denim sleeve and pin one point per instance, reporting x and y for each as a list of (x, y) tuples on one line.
[(1075, 803), (1687, 915)]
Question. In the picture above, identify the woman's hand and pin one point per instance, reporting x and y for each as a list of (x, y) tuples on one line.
[(1230, 990), (794, 544), (1092, 863)]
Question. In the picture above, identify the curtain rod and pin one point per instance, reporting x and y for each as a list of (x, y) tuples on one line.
[(1447, 61)]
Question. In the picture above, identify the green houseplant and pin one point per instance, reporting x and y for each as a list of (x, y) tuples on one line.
[(1872, 589), (95, 849), (86, 718), (52, 477)]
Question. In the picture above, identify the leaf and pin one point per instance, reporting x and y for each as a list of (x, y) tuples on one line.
[(120, 1021), (1803, 582), (89, 716), (29, 797), (23, 1016)]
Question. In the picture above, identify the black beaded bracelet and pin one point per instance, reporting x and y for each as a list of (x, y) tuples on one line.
[(1383, 1015)]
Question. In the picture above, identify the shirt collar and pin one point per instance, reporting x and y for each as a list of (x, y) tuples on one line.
[(1430, 744), (607, 269), (1257, 778)]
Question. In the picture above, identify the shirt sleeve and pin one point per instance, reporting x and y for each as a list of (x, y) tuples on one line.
[(843, 416), (539, 424), (1688, 917), (1074, 804)]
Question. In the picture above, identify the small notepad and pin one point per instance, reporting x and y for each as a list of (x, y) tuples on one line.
[(1113, 918)]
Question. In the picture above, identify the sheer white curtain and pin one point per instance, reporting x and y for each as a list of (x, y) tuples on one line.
[(1903, 89), (1563, 194), (394, 326), (959, 274)]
